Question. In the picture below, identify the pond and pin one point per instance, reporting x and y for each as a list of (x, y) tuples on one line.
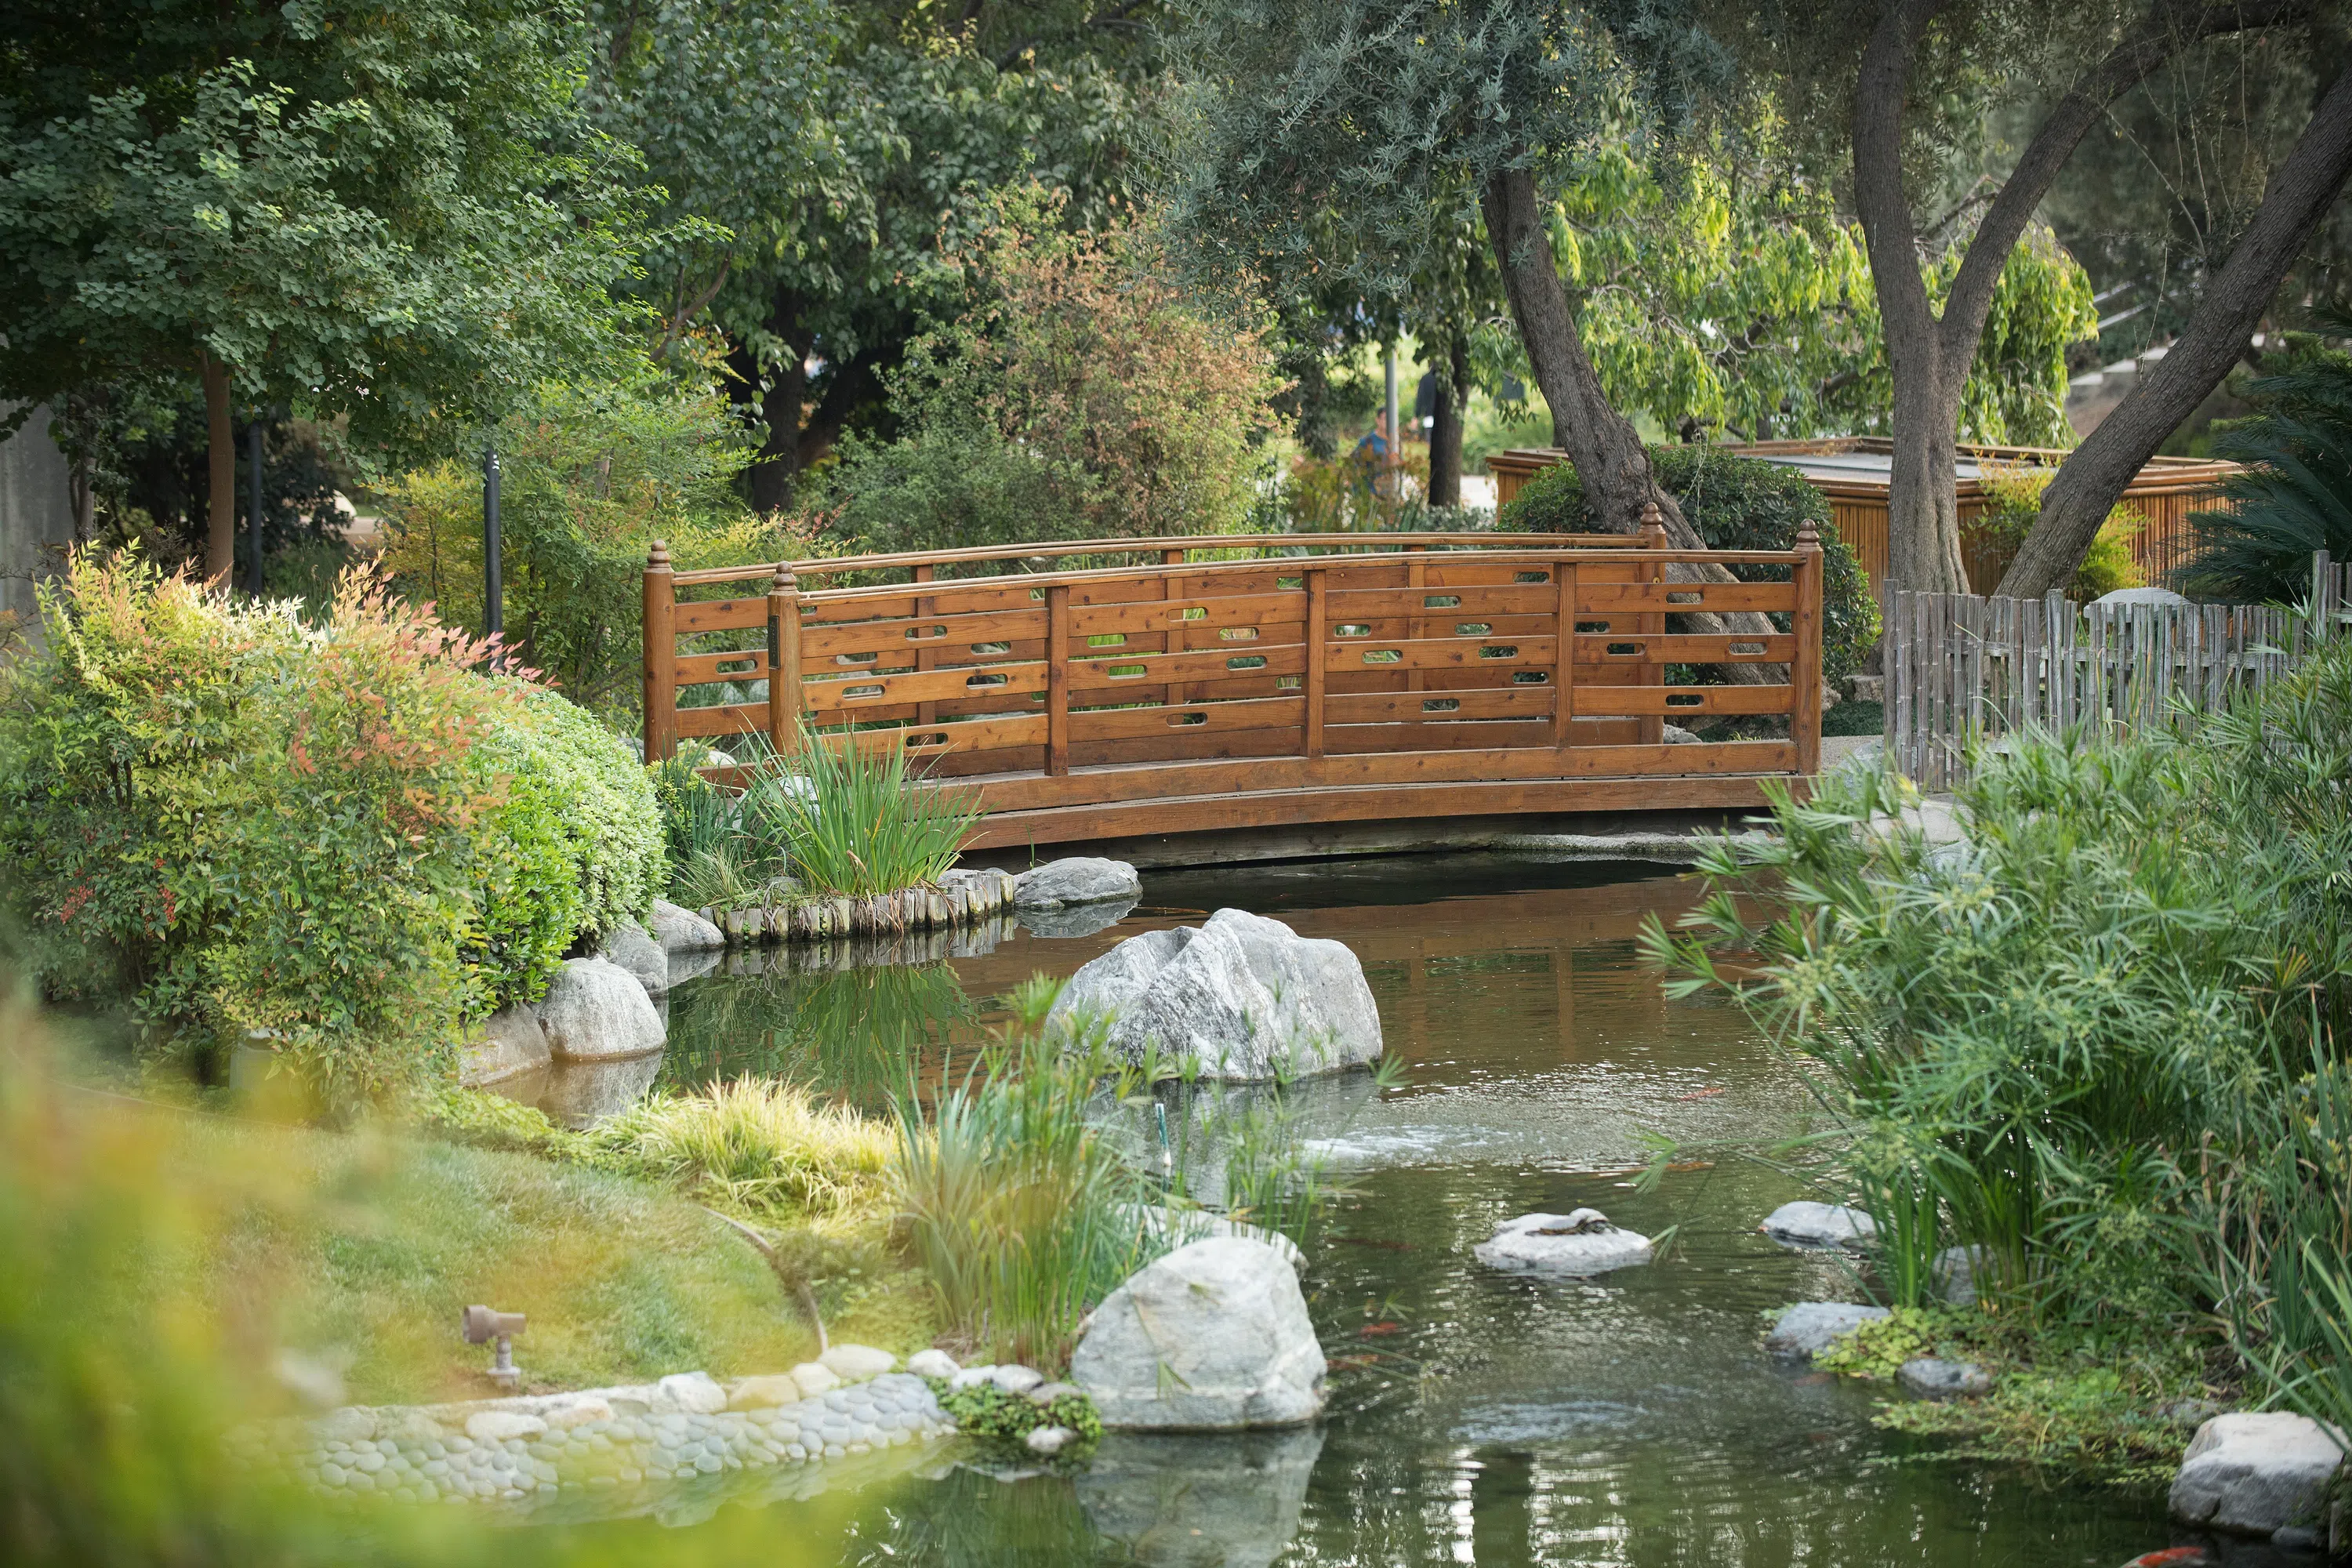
[(1475, 1418)]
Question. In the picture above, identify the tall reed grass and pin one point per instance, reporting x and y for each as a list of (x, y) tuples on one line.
[(853, 821), (2099, 1043), (757, 1144)]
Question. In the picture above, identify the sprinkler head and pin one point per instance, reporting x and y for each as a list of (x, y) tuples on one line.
[(482, 1326)]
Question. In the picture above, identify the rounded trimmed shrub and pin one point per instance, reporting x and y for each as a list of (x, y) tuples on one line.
[(1735, 504), (340, 839)]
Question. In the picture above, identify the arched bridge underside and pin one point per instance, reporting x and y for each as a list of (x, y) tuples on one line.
[(1116, 688)]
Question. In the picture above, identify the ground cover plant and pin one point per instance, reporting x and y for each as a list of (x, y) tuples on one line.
[(341, 838), (2099, 1045)]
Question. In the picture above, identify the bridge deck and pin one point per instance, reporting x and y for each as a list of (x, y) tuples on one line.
[(1107, 689)]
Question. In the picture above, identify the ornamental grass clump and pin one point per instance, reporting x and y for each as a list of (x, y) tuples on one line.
[(757, 1145), (849, 818), (1020, 1208), (2099, 1044)]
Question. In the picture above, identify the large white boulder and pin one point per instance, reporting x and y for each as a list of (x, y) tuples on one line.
[(1177, 1502), (1809, 1328), (594, 1010), (1078, 880), (1244, 997), (1805, 1224), (641, 955), (2253, 1473), (1579, 1242), (1213, 1337), (508, 1042), (681, 931)]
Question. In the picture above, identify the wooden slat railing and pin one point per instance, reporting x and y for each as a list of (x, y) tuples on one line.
[(1238, 680)]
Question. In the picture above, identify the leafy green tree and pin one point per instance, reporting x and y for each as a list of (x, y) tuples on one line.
[(1903, 79), (395, 217)]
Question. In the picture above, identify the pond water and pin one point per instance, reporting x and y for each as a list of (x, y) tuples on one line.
[(1475, 1418)]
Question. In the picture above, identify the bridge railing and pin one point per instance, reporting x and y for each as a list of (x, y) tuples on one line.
[(1244, 665)]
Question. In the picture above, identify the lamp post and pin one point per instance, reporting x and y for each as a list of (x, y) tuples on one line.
[(253, 508), (493, 614)]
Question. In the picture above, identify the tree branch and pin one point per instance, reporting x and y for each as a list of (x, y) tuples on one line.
[(2092, 479)]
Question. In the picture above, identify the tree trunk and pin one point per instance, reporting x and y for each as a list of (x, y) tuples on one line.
[(220, 506), (1445, 425), (1602, 445), (773, 400), (2092, 479)]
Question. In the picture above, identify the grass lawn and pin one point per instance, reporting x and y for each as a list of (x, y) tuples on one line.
[(366, 1247)]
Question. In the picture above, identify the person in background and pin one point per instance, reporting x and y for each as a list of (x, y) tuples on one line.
[(1374, 447)]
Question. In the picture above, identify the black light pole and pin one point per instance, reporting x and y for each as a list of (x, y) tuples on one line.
[(253, 510), (493, 614)]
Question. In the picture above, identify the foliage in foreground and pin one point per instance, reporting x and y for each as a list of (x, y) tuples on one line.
[(127, 1362), (2101, 1042), (343, 836), (1735, 504)]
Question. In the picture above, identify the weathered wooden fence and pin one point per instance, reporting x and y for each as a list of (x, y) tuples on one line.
[(1962, 670)]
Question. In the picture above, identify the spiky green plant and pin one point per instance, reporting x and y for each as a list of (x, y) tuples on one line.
[(853, 820), (2295, 497)]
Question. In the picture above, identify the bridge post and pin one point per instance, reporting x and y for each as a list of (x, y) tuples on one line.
[(1058, 679), (784, 660), (660, 715), (1805, 669), (1310, 684), (1563, 669), (1653, 670)]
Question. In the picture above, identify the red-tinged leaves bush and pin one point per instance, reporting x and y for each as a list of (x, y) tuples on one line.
[(240, 824)]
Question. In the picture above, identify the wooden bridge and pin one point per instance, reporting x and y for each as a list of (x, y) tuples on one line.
[(1111, 689)]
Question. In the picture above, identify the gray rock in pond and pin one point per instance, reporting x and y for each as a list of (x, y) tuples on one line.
[(932, 1363), (1065, 920), (1171, 1501), (1213, 1337), (1955, 1273), (641, 955), (1580, 1242), (511, 1043), (1049, 1439), (596, 1011), (1807, 1329), (2253, 1473), (1806, 1224), (1079, 879), (1242, 997), (681, 931), (1678, 736), (1933, 1377)]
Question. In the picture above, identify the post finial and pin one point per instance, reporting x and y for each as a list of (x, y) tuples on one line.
[(786, 581), (1653, 525), (658, 557), (1809, 537)]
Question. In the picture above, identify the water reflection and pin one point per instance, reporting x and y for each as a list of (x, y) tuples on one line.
[(1631, 1421)]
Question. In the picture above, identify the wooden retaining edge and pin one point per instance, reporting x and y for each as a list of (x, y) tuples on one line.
[(964, 898)]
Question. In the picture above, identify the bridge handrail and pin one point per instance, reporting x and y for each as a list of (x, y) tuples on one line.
[(1367, 544), (1407, 674)]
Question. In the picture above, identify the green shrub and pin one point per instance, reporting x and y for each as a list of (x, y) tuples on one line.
[(1735, 504), (573, 847), (341, 836), (2014, 504)]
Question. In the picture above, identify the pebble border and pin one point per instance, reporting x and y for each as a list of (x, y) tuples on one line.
[(961, 898), (514, 1450)]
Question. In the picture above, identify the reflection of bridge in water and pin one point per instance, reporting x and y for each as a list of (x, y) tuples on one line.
[(1166, 686)]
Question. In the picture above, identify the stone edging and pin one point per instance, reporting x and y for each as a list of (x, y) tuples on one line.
[(961, 898), (526, 1450)]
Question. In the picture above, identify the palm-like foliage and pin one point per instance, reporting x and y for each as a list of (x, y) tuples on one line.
[(2295, 497)]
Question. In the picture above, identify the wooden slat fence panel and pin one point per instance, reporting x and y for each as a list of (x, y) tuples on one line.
[(1962, 670)]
